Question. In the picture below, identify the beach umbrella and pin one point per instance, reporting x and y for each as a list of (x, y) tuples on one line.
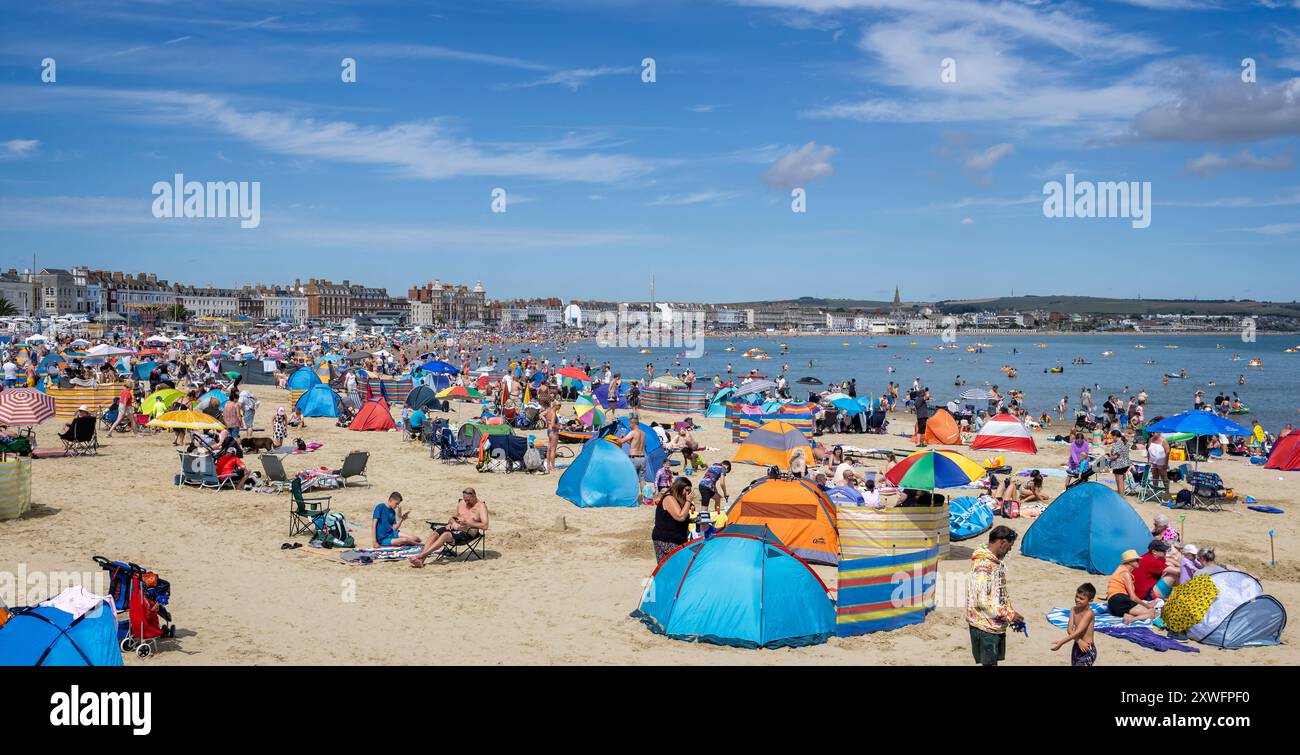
[(976, 394), (833, 397), (36, 338), (1198, 422), (439, 367), (78, 343), (158, 339), (587, 412), (930, 470), (186, 419), (105, 350), (848, 405), (575, 374), (772, 444), (460, 391), (157, 402), (808, 381), (359, 355), (24, 407), (753, 387)]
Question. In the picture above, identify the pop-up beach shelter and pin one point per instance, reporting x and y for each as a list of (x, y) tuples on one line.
[(302, 379), (602, 475), (423, 397), (320, 401), (773, 444), (737, 590), (1005, 433), (47, 635), (1086, 527), (941, 429), (654, 448), (374, 415), (601, 394), (795, 511), (1286, 454)]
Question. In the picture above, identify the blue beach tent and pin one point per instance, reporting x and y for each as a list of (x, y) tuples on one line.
[(602, 475), (740, 590), (718, 404), (1086, 527), (654, 448), (845, 495), (320, 401), (48, 636), (302, 379), (220, 395)]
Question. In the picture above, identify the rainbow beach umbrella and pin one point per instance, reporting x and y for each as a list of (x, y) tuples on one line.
[(931, 470), (587, 412), (461, 392)]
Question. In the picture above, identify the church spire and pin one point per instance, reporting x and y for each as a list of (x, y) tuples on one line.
[(897, 301)]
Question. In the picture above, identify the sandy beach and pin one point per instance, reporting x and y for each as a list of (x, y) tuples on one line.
[(558, 583)]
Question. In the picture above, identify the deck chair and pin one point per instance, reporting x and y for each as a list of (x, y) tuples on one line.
[(200, 470), (273, 465), (1151, 490), (81, 438), (109, 417), (354, 465), (303, 512), (475, 546), (449, 448), (1208, 490)]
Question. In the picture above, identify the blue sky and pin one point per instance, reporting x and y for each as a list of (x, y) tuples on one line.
[(935, 187)]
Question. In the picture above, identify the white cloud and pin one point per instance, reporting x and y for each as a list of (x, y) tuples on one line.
[(429, 149), (800, 166), (968, 221), (18, 149), (1225, 110), (1276, 229), (699, 197), (981, 162), (1212, 163)]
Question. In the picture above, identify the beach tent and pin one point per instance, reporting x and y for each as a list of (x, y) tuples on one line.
[(1005, 433), (773, 444), (320, 401), (1241, 615), (159, 402), (1086, 527), (302, 379), (142, 370), (718, 404), (941, 429), (423, 397), (737, 590), (1286, 454), (968, 517), (47, 635), (795, 511), (655, 453), (602, 475), (374, 415), (217, 393), (845, 496)]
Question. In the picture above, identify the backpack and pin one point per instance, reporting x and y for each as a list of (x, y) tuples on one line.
[(533, 460), (332, 531)]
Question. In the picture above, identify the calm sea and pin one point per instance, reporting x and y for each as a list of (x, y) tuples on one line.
[(1272, 391)]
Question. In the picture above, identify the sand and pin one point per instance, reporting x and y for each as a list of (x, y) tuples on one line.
[(558, 583)]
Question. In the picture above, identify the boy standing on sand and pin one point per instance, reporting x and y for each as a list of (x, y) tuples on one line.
[(1083, 652)]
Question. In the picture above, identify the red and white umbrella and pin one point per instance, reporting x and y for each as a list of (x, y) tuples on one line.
[(24, 407), (1005, 433)]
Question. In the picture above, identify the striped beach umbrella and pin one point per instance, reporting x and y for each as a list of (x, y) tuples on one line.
[(773, 444), (931, 470), (587, 412), (186, 419), (24, 407)]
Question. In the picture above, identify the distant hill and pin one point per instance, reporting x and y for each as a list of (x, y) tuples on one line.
[(818, 302), (1089, 305)]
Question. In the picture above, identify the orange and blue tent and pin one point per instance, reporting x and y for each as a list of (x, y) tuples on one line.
[(797, 512), (773, 444)]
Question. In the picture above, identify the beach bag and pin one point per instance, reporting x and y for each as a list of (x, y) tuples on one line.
[(1182, 500), (533, 460), (332, 531), (1011, 509)]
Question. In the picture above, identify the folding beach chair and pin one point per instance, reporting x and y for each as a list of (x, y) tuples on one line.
[(200, 470), (81, 438), (303, 512), (1151, 490), (273, 465), (109, 417), (449, 449), (473, 545), (1208, 491), (354, 465)]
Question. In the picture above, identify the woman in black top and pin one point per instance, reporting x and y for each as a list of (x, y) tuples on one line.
[(672, 517)]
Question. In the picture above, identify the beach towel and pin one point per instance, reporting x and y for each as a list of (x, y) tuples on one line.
[(1146, 638), (391, 553), (1060, 618)]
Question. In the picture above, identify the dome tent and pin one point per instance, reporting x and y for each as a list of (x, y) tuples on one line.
[(47, 635), (320, 401), (1241, 616), (302, 379), (740, 590), (602, 475), (374, 415), (941, 429), (1005, 433), (795, 511), (1086, 527)]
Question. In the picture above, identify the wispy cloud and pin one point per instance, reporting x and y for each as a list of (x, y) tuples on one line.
[(800, 166), (1276, 229), (18, 149), (572, 78), (1213, 163), (699, 197)]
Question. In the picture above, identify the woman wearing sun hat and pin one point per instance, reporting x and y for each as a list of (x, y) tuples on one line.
[(1121, 595)]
